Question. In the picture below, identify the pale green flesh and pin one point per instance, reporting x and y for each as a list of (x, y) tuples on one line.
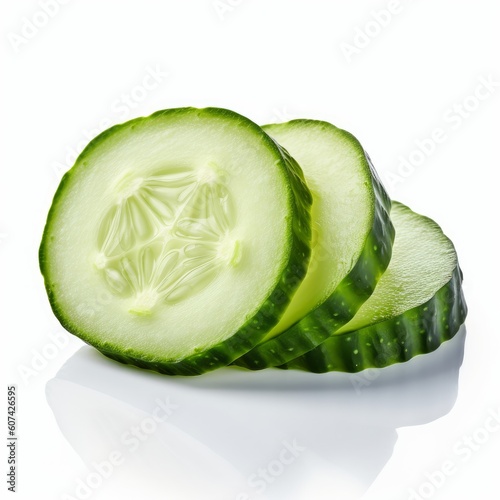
[(339, 178), (423, 260), (160, 239), (167, 236)]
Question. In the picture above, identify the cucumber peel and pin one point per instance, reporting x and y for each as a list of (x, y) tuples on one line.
[(417, 305)]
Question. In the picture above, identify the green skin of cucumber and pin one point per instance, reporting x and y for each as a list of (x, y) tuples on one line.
[(342, 305), (418, 331), (256, 326)]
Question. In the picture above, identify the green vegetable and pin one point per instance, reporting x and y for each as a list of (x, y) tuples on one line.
[(352, 240), (417, 305), (176, 241), (191, 239)]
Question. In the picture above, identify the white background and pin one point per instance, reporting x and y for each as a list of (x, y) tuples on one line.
[(271, 61)]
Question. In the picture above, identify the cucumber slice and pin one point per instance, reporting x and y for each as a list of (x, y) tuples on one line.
[(352, 240), (417, 305), (177, 240)]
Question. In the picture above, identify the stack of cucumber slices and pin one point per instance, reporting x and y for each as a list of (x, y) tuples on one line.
[(194, 239)]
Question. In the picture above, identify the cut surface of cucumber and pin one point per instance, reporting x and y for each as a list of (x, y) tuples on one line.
[(352, 239), (417, 305), (177, 240)]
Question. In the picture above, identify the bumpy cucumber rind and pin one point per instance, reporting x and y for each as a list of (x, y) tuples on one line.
[(418, 331), (342, 305), (256, 327)]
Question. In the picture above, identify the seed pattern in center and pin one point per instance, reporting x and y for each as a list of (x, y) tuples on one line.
[(167, 236)]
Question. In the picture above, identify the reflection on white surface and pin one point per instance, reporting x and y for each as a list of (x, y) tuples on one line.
[(233, 434)]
